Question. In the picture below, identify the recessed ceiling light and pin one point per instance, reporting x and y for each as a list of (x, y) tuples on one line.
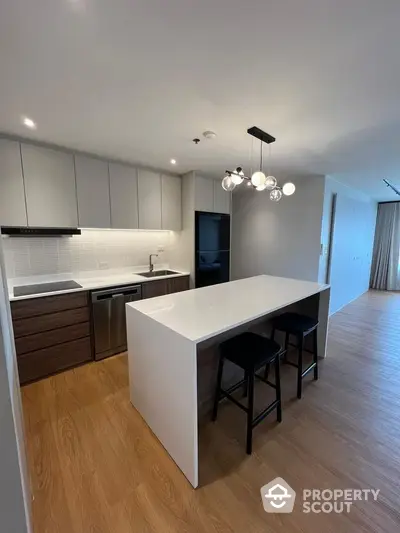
[(29, 123), (173, 161)]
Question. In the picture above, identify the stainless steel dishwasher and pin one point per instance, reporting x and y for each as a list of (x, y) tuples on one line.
[(109, 318)]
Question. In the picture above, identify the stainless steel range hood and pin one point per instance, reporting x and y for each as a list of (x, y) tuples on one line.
[(23, 231)]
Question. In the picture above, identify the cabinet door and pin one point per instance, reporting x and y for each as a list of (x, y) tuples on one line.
[(50, 190), (171, 202), (149, 199), (222, 199), (204, 194), (93, 192), (152, 289), (124, 196), (12, 195), (178, 284)]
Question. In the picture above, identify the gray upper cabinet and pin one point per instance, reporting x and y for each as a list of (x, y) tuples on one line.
[(124, 196), (49, 177), (12, 195), (149, 192), (52, 188), (93, 192), (210, 196), (204, 194), (222, 199), (171, 208)]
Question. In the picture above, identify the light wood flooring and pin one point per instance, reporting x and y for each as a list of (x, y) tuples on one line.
[(97, 468)]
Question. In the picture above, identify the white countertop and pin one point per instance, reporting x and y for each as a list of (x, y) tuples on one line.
[(89, 280), (203, 313)]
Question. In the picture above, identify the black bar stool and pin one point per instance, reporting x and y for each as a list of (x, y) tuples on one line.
[(300, 326), (250, 352)]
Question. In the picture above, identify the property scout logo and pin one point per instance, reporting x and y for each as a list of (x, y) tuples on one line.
[(279, 497)]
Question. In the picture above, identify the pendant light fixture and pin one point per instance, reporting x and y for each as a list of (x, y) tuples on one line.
[(228, 183), (258, 181)]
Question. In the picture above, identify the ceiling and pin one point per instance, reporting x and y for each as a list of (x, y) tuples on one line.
[(138, 80)]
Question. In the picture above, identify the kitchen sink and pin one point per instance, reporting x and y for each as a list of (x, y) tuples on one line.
[(157, 273)]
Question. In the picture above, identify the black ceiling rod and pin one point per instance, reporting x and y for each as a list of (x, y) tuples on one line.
[(392, 187)]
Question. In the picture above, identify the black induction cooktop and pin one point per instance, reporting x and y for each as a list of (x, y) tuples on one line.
[(26, 290)]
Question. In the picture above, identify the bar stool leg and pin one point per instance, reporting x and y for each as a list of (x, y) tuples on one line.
[(300, 366), (316, 354), (218, 388), (266, 372), (286, 345), (278, 389), (246, 384), (249, 439)]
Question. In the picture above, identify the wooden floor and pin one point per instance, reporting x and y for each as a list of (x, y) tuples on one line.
[(96, 467)]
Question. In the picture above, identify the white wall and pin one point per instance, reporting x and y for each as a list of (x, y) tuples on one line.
[(280, 239), (93, 250), (353, 239), (14, 482)]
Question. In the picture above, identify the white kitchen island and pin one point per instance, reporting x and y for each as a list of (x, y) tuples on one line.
[(171, 380)]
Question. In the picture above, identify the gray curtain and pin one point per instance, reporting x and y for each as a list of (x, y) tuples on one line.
[(385, 259)]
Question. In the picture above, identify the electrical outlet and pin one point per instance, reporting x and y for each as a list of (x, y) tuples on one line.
[(103, 265), (160, 248)]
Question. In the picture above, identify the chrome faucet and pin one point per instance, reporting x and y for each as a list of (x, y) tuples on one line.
[(151, 266)]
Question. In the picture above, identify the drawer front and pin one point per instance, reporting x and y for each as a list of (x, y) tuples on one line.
[(48, 304), (37, 324), (30, 343), (41, 363)]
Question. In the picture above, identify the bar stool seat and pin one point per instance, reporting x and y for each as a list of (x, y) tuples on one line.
[(249, 352), (294, 323)]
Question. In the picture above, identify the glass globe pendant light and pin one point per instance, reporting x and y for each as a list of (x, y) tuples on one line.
[(228, 183), (275, 195), (270, 183), (261, 187), (288, 189), (237, 176), (258, 179)]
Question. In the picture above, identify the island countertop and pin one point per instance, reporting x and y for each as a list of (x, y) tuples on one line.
[(203, 313)]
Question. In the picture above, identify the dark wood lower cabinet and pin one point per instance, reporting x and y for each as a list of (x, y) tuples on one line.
[(38, 341), (151, 289), (161, 287), (51, 322), (41, 363), (54, 333), (51, 333), (178, 284), (29, 307)]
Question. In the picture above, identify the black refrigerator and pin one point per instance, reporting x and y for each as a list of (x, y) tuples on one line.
[(212, 242)]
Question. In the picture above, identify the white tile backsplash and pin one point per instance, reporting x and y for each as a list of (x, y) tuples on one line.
[(93, 250)]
